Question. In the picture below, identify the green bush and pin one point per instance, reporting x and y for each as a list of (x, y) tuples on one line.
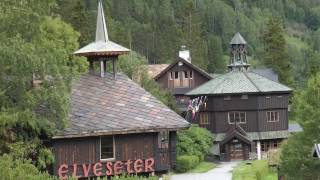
[(11, 169), (194, 141), (186, 162)]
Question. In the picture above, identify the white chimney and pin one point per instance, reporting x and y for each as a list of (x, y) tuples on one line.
[(185, 54)]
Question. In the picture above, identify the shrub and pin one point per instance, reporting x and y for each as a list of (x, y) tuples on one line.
[(194, 141), (186, 162)]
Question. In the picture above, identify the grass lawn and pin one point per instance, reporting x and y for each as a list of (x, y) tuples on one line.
[(203, 167), (258, 170)]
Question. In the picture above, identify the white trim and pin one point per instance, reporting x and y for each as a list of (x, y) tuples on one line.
[(245, 117), (114, 150), (273, 120)]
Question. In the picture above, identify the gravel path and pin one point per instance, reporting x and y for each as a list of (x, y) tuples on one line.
[(222, 172)]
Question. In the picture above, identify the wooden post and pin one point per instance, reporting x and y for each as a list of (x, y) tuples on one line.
[(114, 69), (105, 65), (101, 68)]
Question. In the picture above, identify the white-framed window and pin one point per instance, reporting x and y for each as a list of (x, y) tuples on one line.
[(186, 74), (268, 97), (204, 118), (107, 148), (176, 75), (171, 74), (272, 116), (237, 117), (244, 96)]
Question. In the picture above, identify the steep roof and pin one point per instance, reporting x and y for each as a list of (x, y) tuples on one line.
[(236, 82), (101, 106), (196, 68), (238, 39), (102, 45)]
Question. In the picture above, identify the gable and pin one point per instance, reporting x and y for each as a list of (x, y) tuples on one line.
[(181, 65)]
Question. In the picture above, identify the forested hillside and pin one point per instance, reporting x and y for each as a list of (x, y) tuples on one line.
[(157, 28)]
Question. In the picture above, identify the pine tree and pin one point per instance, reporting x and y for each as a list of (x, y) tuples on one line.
[(215, 55), (275, 51)]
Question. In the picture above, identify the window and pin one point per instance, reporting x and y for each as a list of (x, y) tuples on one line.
[(204, 118), (191, 75), (163, 139), (268, 97), (237, 117), (272, 116), (106, 147), (227, 98), (279, 96), (171, 75), (262, 147), (176, 75), (238, 147), (186, 74), (244, 96)]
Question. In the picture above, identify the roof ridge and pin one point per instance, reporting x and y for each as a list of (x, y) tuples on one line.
[(246, 75)]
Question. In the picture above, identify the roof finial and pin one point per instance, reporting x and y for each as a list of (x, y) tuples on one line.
[(101, 29)]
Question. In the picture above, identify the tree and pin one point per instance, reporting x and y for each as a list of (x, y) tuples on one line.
[(215, 55), (30, 111), (134, 66), (296, 158), (275, 52)]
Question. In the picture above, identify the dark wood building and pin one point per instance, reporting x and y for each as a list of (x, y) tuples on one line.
[(247, 112), (115, 125), (179, 77)]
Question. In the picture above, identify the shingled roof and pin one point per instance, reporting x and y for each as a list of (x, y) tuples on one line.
[(237, 82), (101, 106)]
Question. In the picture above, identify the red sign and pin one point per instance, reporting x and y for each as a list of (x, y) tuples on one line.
[(106, 168)]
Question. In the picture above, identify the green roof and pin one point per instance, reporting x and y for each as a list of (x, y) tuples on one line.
[(236, 82), (258, 135)]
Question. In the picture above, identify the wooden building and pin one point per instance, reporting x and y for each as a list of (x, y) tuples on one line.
[(179, 77), (247, 112), (115, 125)]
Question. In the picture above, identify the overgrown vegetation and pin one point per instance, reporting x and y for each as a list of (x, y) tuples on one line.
[(34, 45), (257, 170), (297, 162), (193, 144), (134, 66)]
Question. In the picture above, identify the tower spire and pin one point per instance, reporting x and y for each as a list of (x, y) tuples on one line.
[(101, 28), (238, 53), (102, 49)]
